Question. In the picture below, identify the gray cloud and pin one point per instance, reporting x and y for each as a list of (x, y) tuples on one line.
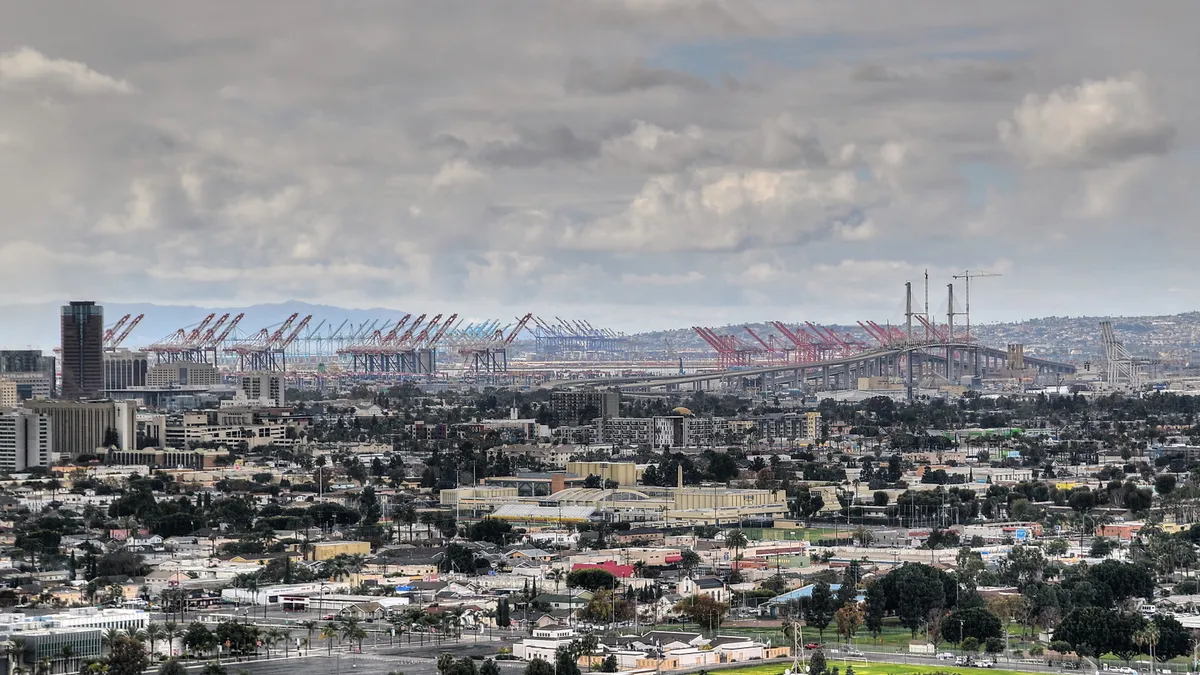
[(499, 157), (584, 77), (539, 146)]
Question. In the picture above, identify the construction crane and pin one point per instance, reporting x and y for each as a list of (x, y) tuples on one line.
[(967, 276), (116, 342), (111, 331)]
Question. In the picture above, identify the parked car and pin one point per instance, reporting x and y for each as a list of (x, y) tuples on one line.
[(986, 663), (945, 656), (813, 645)]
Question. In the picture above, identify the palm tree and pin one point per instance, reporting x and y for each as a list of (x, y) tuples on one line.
[(110, 635), (353, 632), (736, 540), (14, 650), (329, 633), (407, 513), (1148, 637), (43, 666), (309, 627), (154, 632), (171, 633), (335, 568)]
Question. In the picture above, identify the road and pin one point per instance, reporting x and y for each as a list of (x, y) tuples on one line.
[(414, 661)]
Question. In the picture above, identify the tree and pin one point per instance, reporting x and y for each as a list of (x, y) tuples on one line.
[(1026, 564), (127, 656), (1147, 638), (975, 622), (458, 558), (736, 540), (848, 618), (610, 664), (213, 668), (880, 498), (592, 579), (689, 559), (489, 667), (819, 609), (564, 662), (816, 664), (1124, 580), (970, 645), (1164, 483), (1173, 639), (876, 608), (914, 591), (445, 662), (707, 612), (199, 638), (503, 618), (491, 530), (539, 666), (172, 666)]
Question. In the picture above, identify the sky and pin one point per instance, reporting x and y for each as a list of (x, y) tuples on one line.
[(641, 163)]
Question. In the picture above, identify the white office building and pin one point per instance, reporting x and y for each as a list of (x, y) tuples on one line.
[(26, 440)]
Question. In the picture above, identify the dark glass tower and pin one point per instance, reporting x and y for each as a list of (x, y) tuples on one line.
[(82, 350)]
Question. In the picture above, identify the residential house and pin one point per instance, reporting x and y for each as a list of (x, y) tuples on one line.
[(706, 586)]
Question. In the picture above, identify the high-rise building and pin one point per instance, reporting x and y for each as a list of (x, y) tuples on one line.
[(9, 396), (80, 427), (263, 386), (30, 368), (25, 440), (585, 405), (82, 350), (124, 369)]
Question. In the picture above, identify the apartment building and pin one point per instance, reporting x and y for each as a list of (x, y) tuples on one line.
[(25, 440), (579, 405)]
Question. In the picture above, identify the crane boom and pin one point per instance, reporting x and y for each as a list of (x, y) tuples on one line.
[(128, 329), (967, 276)]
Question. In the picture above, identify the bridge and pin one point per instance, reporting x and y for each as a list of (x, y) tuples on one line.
[(909, 362)]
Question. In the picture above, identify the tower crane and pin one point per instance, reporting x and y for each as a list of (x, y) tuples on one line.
[(967, 276)]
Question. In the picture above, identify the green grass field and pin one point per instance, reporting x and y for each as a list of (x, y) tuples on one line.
[(874, 669)]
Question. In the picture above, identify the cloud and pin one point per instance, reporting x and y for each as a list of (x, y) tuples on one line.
[(652, 148), (662, 279), (1091, 124), (26, 65), (720, 210), (634, 76), (539, 146)]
